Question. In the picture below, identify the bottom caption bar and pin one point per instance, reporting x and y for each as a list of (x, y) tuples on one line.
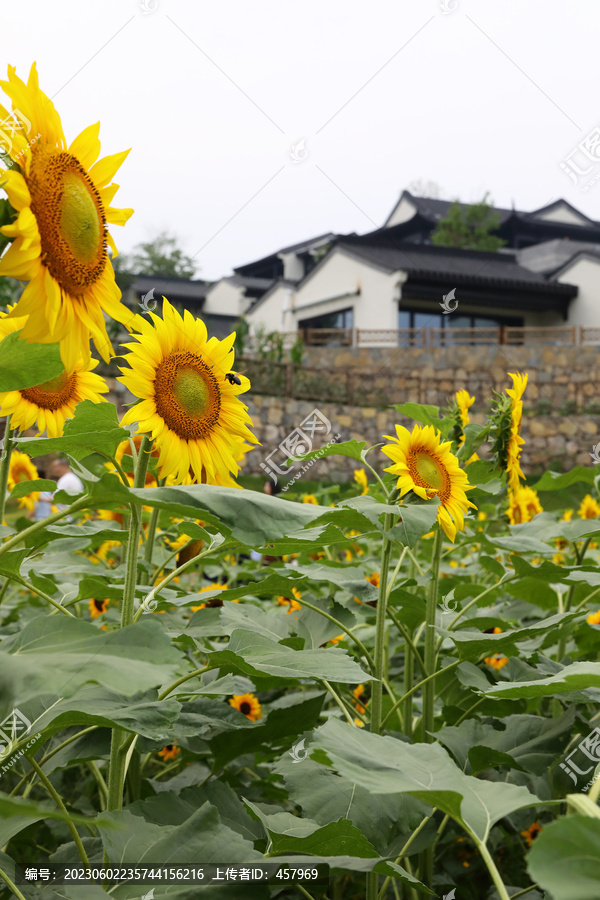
[(267, 873)]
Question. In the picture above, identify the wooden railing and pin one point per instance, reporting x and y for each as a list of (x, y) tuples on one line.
[(574, 335)]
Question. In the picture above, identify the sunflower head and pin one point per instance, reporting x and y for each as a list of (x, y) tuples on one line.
[(248, 705), (524, 504), (310, 498), (588, 508), (426, 466), (360, 477), (62, 197), (171, 751), (506, 426), (97, 607), (22, 469), (187, 405)]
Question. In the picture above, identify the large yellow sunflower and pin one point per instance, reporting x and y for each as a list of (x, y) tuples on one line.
[(50, 404), (426, 466), (188, 405), (589, 508), (22, 469), (513, 467), (62, 196)]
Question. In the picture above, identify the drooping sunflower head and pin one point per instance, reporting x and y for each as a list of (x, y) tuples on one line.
[(524, 504), (464, 402), (248, 705), (426, 466), (506, 425), (62, 197), (50, 404), (188, 405), (22, 469)]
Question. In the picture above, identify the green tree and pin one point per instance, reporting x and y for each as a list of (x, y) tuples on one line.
[(469, 227), (161, 257)]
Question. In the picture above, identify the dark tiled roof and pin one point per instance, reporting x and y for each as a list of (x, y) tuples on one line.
[(293, 248), (438, 209), (423, 261), (171, 287)]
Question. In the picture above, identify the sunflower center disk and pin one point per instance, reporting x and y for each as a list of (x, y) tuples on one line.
[(80, 224), (52, 394), (187, 395), (70, 218), (430, 474)]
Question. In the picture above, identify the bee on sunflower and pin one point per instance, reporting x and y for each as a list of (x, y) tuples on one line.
[(186, 403), (61, 195)]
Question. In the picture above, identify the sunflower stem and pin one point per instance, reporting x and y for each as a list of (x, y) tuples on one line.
[(5, 466), (57, 799), (43, 523), (372, 879), (116, 771), (429, 648)]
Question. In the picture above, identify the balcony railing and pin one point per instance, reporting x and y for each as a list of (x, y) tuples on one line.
[(573, 335)]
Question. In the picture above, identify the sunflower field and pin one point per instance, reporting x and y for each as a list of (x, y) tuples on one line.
[(393, 684)]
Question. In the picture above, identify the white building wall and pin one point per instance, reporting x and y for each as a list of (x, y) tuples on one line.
[(270, 314), (333, 287), (404, 211), (226, 299), (584, 309)]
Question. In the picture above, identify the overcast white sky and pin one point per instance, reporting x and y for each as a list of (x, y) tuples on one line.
[(211, 98)]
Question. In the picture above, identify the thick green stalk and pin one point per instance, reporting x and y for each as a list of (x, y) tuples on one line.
[(11, 885), (5, 466), (116, 771), (429, 637), (372, 880), (491, 867)]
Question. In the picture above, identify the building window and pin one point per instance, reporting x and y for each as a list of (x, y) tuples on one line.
[(468, 329), (339, 321)]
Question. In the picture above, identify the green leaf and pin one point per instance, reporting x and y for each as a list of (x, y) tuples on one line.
[(350, 578), (25, 365), (353, 449), (580, 676), (530, 743), (53, 654), (201, 836), (476, 643), (18, 811), (425, 771), (416, 520), (253, 653), (291, 834), (24, 488), (93, 429), (426, 414), (565, 858), (555, 481), (271, 735)]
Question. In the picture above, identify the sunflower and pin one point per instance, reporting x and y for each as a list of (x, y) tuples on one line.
[(360, 698), (293, 604), (310, 498), (22, 469), (170, 751), (97, 607), (214, 601), (531, 833), (360, 477), (248, 705), (427, 467), (524, 504), (594, 618), (497, 661), (48, 405), (188, 405), (589, 508), (513, 451), (124, 453), (463, 404), (62, 197)]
